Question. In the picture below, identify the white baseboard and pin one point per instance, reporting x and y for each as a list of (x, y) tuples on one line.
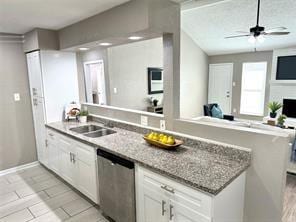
[(21, 167)]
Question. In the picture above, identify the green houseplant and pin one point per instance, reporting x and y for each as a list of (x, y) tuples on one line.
[(281, 120), (83, 116), (274, 107)]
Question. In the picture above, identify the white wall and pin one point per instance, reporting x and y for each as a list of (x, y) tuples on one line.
[(194, 78), (128, 72), (279, 91)]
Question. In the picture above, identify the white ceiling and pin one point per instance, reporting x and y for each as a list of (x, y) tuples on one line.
[(208, 25), (20, 16)]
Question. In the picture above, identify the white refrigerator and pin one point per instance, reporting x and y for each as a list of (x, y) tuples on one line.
[(53, 84)]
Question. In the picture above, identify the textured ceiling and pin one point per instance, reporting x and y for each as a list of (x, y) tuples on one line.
[(208, 25), (20, 16)]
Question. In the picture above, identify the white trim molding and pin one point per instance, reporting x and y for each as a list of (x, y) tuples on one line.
[(18, 168)]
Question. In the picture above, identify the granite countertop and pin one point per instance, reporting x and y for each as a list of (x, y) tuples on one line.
[(201, 169)]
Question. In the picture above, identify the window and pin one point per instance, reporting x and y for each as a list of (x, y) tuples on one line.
[(253, 88)]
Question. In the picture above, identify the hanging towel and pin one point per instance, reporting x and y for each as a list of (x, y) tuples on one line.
[(293, 155)]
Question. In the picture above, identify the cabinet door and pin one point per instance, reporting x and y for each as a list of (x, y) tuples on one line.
[(85, 160), (180, 213), (35, 74), (40, 132), (67, 165), (153, 206), (54, 154)]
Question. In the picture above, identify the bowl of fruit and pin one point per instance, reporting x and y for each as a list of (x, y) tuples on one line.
[(161, 140)]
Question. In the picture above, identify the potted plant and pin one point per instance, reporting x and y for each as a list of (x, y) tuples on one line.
[(274, 107), (281, 120), (83, 116)]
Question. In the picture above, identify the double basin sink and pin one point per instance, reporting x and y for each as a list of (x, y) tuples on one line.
[(92, 131)]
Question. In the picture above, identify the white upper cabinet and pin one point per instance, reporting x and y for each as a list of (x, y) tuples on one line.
[(53, 77), (35, 74)]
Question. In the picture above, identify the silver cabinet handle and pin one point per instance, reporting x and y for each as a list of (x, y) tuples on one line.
[(51, 134), (163, 207), (70, 157), (34, 91), (46, 143), (166, 188), (74, 158), (171, 212), (35, 102)]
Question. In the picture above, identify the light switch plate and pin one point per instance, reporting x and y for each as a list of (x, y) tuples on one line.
[(115, 90), (144, 120), (16, 97), (162, 124), (234, 110)]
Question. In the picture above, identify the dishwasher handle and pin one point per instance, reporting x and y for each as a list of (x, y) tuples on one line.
[(116, 159)]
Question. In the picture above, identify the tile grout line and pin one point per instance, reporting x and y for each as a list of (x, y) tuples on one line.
[(65, 211), (51, 210), (81, 211), (60, 182), (22, 208), (17, 195), (31, 213)]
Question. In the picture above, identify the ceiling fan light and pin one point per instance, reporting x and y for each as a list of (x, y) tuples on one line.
[(252, 40)]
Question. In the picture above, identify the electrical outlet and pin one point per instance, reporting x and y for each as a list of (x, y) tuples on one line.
[(233, 84), (162, 124), (16, 97), (144, 120), (234, 110), (115, 90)]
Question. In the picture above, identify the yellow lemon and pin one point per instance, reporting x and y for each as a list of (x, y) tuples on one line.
[(150, 136), (164, 140), (171, 140)]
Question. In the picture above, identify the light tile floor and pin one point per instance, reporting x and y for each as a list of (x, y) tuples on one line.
[(37, 195)]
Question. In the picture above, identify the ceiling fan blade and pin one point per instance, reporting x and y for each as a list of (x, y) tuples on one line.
[(243, 32), (236, 36), (277, 29), (276, 33)]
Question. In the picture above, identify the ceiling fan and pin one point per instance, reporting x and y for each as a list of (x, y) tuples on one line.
[(258, 32)]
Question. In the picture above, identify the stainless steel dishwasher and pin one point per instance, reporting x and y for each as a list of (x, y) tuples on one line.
[(116, 187)]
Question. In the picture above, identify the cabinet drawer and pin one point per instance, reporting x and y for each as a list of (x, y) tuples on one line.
[(184, 195), (85, 153), (51, 136), (65, 143)]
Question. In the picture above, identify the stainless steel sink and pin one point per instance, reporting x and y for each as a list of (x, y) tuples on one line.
[(86, 129), (99, 133)]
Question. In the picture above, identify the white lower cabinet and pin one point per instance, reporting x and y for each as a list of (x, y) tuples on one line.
[(75, 162), (52, 152), (153, 206), (86, 161), (160, 199)]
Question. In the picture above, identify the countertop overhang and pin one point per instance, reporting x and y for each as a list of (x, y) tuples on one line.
[(205, 170)]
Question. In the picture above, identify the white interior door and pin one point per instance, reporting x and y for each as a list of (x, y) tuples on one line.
[(95, 82), (220, 85)]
